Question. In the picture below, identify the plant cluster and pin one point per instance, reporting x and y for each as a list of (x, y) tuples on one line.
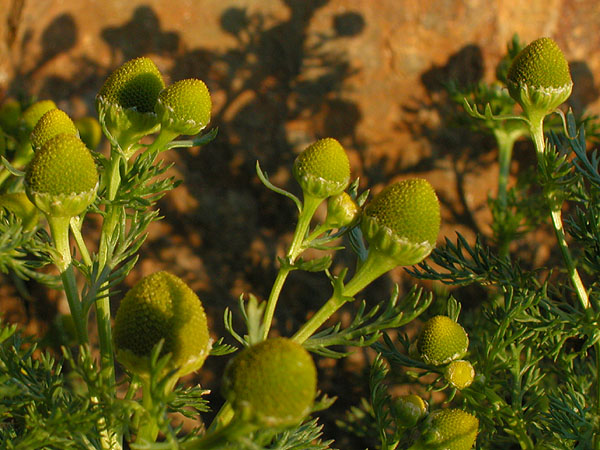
[(521, 370)]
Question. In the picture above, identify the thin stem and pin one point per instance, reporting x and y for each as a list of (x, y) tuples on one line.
[(536, 128), (160, 143), (372, 268), (59, 229), (296, 247), (76, 230)]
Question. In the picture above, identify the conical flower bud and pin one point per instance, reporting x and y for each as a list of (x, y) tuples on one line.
[(342, 211), (322, 169), (408, 410), (62, 179), (161, 306), (459, 374), (35, 112), (51, 124), (539, 78), (275, 381), (442, 340), (449, 429), (403, 221), (126, 101), (184, 107)]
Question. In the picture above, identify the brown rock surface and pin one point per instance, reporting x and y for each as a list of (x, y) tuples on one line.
[(283, 73)]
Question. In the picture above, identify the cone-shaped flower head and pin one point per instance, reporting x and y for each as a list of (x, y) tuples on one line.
[(539, 78), (51, 124), (184, 107), (342, 211), (35, 112), (408, 410), (442, 340), (62, 178), (322, 169), (274, 381), (161, 306), (126, 100), (90, 131), (459, 374), (403, 221), (449, 429)]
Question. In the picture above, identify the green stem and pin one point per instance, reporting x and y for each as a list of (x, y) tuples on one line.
[(59, 229), (296, 247), (372, 268), (164, 137), (536, 128), (76, 230)]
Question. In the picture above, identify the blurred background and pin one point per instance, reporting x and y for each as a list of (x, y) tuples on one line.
[(283, 73)]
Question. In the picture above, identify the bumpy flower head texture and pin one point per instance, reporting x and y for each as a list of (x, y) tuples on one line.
[(539, 78), (442, 340), (62, 178), (126, 100), (459, 374), (184, 107), (51, 124), (450, 429), (322, 169), (274, 381), (35, 112), (403, 221), (161, 306)]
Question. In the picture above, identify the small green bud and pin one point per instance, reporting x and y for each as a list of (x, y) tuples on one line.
[(442, 340), (342, 211), (403, 221), (408, 410), (274, 381), (51, 124), (184, 107), (62, 179), (161, 306), (90, 131), (449, 429), (35, 112), (322, 169), (126, 101), (18, 204), (539, 78), (459, 374)]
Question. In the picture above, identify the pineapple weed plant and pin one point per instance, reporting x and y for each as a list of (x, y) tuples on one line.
[(525, 376)]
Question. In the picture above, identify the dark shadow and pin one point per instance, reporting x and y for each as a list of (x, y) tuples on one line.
[(584, 87)]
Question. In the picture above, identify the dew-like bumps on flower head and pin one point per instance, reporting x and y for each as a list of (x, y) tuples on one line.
[(161, 306), (540, 64), (184, 106), (403, 221), (51, 124), (442, 340), (274, 381), (136, 84), (62, 166), (323, 168), (450, 429)]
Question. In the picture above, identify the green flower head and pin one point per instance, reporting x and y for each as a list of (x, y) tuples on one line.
[(442, 340), (161, 306), (459, 374), (35, 112), (322, 169), (184, 107), (62, 178), (539, 78), (450, 429), (51, 124), (403, 221), (274, 382)]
